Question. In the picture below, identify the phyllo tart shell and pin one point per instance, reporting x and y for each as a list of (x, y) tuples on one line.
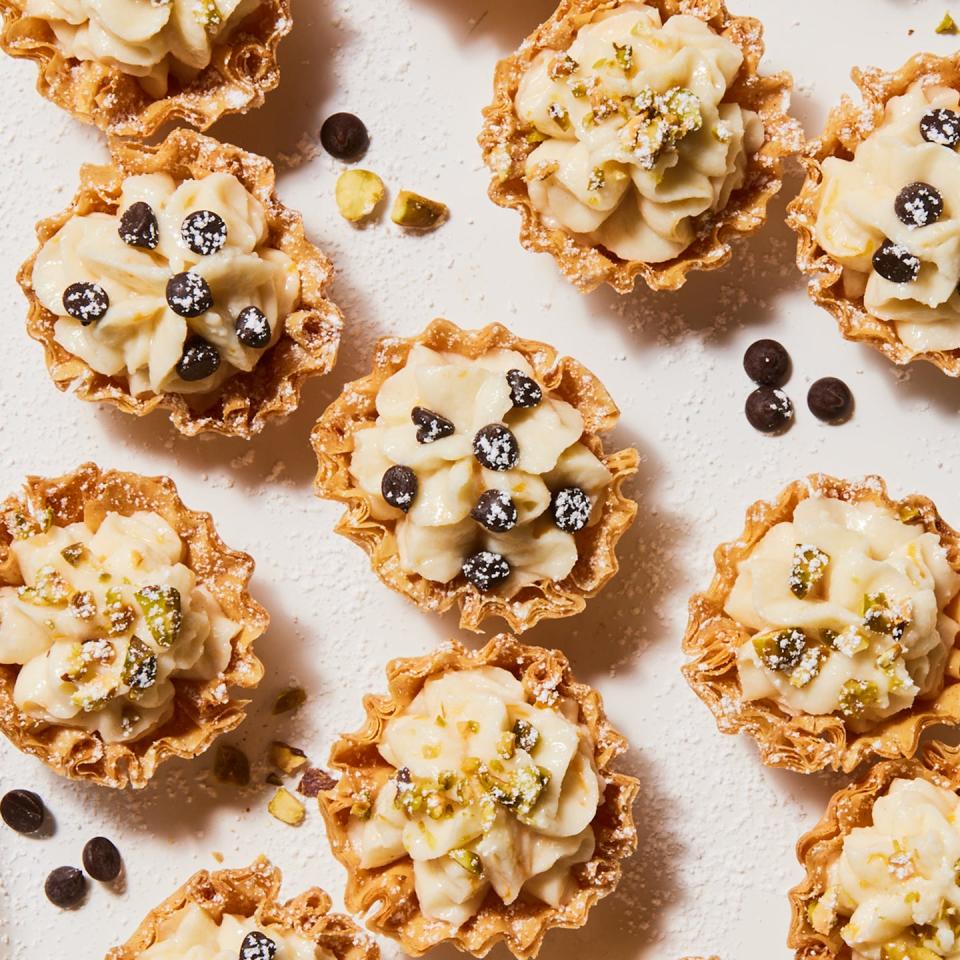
[(802, 742), (202, 710), (387, 893), (247, 401)]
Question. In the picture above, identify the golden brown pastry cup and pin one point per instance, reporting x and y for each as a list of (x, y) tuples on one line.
[(202, 709), (388, 891), (802, 742), (587, 266), (248, 400), (355, 410), (848, 809), (254, 892), (848, 125), (243, 69)]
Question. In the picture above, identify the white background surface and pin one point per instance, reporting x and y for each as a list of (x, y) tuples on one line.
[(717, 829)]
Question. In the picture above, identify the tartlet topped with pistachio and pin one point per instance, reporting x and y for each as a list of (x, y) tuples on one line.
[(637, 139), (124, 623), (473, 472), (829, 631)]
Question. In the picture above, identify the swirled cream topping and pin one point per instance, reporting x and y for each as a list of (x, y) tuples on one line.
[(108, 616), (148, 39), (890, 217), (490, 791), (849, 611), (638, 141), (482, 470), (894, 886), (176, 291), (192, 934)]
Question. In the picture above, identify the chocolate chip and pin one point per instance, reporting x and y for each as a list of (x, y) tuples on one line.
[(200, 360), (344, 136), (188, 294), (65, 887), (767, 362), (830, 400), (941, 126), (918, 205), (495, 447), (253, 328), (894, 262), (101, 859), (431, 425), (525, 392), (257, 946), (485, 570), (399, 487), (139, 227), (769, 410), (495, 510), (204, 232), (22, 810), (570, 509), (86, 302)]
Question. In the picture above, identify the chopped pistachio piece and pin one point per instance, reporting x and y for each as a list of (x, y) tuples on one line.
[(286, 758), (231, 765), (274, 779), (624, 56), (417, 212), (598, 179), (881, 616), (314, 781), (809, 667), (83, 605), (139, 667), (506, 745), (49, 589), (119, 614), (207, 14), (287, 808), (358, 194), (527, 735), (362, 806), (293, 698), (467, 859), (520, 792), (90, 702), (810, 565), (856, 696), (74, 553), (161, 610), (557, 112), (561, 66), (780, 650), (947, 25)]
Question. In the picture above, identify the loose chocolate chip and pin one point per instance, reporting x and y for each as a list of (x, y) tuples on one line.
[(941, 126), (431, 426), (101, 859), (204, 232), (570, 509), (485, 570), (200, 360), (253, 328), (399, 487), (769, 410), (22, 810), (767, 362), (86, 302), (188, 294), (257, 946), (495, 510), (830, 399), (139, 227), (919, 205), (344, 136), (65, 887), (524, 391), (894, 262), (495, 447)]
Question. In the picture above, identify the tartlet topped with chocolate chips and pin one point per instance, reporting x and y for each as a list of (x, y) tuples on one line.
[(472, 469), (176, 279)]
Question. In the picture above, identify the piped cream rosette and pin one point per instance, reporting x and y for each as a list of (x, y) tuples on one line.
[(479, 795), (829, 630)]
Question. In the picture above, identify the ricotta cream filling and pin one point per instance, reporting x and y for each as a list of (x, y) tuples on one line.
[(856, 213), (895, 882), (148, 39), (192, 934), (106, 620), (140, 338), (847, 605), (491, 792), (638, 141), (437, 533)]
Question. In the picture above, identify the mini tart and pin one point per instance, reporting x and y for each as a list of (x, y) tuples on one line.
[(506, 144), (254, 892), (245, 402), (242, 70), (202, 710), (333, 441), (388, 891), (848, 125), (804, 742), (850, 808)]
